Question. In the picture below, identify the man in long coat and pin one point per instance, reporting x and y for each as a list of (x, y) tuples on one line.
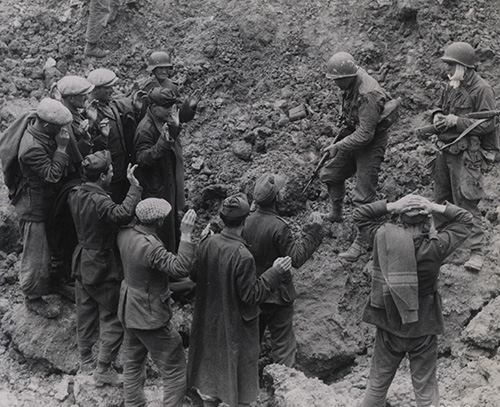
[(224, 344), (96, 263)]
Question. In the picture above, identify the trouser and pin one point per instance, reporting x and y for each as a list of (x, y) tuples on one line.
[(92, 317), (448, 183), (34, 274), (98, 15), (165, 348), (388, 352), (279, 320)]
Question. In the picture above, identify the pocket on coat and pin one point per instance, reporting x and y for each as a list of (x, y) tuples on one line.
[(471, 179), (94, 266)]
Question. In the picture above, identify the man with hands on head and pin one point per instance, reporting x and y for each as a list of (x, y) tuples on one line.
[(224, 341), (404, 302), (144, 306)]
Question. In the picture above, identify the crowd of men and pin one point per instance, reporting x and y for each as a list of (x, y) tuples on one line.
[(109, 170)]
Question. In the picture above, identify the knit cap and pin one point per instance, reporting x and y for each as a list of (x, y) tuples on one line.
[(151, 210)]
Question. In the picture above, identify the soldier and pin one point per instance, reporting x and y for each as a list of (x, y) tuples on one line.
[(404, 302), (269, 237), (114, 121), (457, 169), (160, 67), (96, 262), (144, 308), (361, 144), (224, 341), (43, 159)]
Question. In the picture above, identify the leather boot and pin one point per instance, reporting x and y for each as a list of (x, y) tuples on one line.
[(355, 251), (92, 50), (335, 214)]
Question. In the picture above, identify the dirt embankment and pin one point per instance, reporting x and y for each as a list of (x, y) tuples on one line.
[(253, 61)]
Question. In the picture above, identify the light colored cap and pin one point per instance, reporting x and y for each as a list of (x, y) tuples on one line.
[(54, 112), (267, 187), (151, 210), (73, 85), (102, 77)]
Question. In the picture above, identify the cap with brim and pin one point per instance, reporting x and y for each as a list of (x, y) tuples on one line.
[(73, 85), (54, 112), (267, 188), (151, 210), (162, 97), (235, 206), (102, 77), (96, 163)]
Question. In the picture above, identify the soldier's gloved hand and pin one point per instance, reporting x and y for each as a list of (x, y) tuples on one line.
[(331, 150), (187, 225), (62, 139), (451, 120), (439, 122), (131, 176), (315, 218)]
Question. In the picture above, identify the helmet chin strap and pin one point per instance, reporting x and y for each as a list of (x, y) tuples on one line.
[(457, 78)]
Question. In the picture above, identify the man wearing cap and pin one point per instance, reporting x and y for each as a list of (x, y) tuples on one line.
[(144, 307), (404, 302), (114, 121), (224, 341), (361, 142), (160, 68), (457, 169), (96, 262), (269, 237), (43, 160)]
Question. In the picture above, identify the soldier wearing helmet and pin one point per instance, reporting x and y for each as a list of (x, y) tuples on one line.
[(360, 146), (457, 169)]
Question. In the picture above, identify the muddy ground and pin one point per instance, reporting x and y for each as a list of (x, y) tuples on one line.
[(253, 61)]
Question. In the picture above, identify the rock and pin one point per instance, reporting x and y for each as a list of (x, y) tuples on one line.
[(49, 343), (197, 163), (9, 229), (291, 388), (242, 150), (297, 113), (484, 331), (87, 394), (61, 389), (4, 306)]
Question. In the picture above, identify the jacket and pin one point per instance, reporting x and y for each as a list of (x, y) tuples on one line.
[(430, 252), (362, 107), (144, 293), (269, 237)]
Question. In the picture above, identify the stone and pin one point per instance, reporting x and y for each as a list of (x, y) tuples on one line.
[(61, 389), (9, 229), (198, 163), (4, 306), (242, 150), (484, 331), (87, 394), (48, 343)]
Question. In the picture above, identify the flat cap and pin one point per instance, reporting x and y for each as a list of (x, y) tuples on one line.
[(72, 85), (54, 112), (235, 206), (96, 163), (414, 215), (267, 187), (102, 77), (151, 210), (162, 97)]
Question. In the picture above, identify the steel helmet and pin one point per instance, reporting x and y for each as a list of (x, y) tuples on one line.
[(159, 59), (460, 53), (341, 65)]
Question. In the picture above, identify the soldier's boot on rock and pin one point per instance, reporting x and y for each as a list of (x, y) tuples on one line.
[(106, 374), (43, 308), (87, 363), (475, 263), (93, 50), (355, 251)]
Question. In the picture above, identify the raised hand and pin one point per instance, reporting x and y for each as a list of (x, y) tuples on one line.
[(62, 139), (131, 176), (283, 263), (187, 223), (315, 217)]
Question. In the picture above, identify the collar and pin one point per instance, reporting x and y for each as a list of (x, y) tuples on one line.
[(158, 125), (229, 234), (93, 187), (269, 211)]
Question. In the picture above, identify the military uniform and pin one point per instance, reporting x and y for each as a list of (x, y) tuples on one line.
[(457, 170), (270, 237), (96, 266), (145, 313)]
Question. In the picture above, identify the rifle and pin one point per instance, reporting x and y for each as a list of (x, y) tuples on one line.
[(430, 129)]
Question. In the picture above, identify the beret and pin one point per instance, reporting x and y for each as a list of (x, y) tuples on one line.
[(267, 187), (235, 206), (72, 85), (102, 77), (162, 97), (96, 163), (53, 111), (150, 210)]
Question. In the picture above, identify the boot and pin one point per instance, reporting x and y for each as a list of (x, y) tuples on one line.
[(355, 251), (92, 50), (335, 214), (105, 374), (87, 364), (43, 308), (475, 263)]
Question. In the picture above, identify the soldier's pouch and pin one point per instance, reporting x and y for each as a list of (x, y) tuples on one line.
[(471, 178)]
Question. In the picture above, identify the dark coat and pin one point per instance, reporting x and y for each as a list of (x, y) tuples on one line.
[(147, 265), (97, 218), (268, 237), (430, 252), (161, 173), (224, 342)]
